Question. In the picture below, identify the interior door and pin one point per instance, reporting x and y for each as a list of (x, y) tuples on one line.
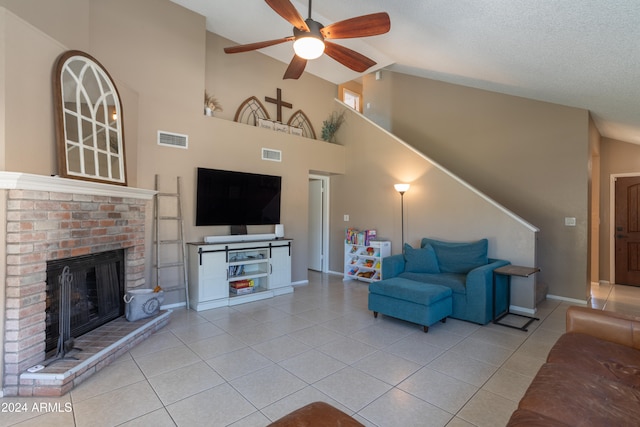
[(627, 230), (315, 224)]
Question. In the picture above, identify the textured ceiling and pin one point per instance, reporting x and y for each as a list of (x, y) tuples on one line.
[(579, 53)]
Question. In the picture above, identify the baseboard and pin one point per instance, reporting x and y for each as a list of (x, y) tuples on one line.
[(300, 283), (176, 305), (522, 310), (565, 299)]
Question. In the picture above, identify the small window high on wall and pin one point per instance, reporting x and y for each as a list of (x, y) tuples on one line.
[(352, 99)]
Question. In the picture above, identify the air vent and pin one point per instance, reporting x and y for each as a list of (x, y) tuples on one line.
[(273, 155), (176, 140)]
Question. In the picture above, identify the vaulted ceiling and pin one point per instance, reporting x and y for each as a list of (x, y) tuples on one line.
[(579, 53)]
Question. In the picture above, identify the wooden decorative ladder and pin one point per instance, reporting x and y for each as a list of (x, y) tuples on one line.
[(170, 265)]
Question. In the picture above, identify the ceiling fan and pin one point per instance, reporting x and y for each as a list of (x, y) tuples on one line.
[(310, 38)]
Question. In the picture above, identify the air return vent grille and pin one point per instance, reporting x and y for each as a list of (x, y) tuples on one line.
[(175, 140), (272, 155)]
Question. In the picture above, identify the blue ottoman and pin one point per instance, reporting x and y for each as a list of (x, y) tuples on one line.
[(415, 302)]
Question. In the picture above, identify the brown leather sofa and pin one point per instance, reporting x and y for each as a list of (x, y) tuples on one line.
[(591, 377)]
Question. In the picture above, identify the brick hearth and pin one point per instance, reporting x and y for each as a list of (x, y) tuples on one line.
[(50, 218)]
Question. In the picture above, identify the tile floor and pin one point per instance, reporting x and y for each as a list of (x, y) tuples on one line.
[(251, 364)]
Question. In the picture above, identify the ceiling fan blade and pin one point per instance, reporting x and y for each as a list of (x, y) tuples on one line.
[(259, 45), (361, 26), (288, 11), (347, 57), (295, 68)]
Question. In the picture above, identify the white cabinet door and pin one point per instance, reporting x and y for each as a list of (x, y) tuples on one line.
[(213, 276), (280, 267)]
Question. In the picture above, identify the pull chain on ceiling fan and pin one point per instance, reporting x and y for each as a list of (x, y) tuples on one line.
[(310, 38)]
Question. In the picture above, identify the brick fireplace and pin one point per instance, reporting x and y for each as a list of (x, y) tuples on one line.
[(52, 218)]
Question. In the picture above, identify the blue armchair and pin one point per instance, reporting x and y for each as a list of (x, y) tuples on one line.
[(463, 267)]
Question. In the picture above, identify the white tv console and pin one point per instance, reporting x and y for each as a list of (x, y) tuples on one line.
[(217, 269)]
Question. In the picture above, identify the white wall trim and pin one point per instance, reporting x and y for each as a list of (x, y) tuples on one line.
[(523, 310), (569, 300), (172, 306), (26, 181)]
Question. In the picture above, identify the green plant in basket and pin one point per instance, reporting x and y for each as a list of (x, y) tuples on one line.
[(331, 126)]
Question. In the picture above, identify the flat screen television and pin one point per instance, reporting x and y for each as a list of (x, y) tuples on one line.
[(237, 198)]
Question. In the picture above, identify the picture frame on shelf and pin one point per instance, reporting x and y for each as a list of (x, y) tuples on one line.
[(266, 124), (279, 127)]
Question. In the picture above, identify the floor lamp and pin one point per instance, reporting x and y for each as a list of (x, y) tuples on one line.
[(402, 188)]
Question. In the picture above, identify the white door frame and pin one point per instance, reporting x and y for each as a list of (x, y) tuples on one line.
[(325, 220), (612, 222)]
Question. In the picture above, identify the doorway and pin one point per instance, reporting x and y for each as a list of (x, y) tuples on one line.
[(626, 233), (318, 249)]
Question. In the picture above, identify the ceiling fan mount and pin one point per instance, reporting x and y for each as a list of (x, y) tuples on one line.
[(311, 38)]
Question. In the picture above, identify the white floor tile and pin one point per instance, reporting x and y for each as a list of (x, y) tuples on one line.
[(238, 363), (439, 389), (353, 388), (387, 367), (267, 385), (248, 365), (398, 408)]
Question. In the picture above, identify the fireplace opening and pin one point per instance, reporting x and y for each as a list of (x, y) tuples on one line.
[(94, 293)]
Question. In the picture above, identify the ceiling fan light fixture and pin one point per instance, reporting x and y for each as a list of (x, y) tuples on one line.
[(308, 47)]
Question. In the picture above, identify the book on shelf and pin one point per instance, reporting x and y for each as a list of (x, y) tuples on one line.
[(241, 284), (366, 274), (236, 270), (241, 291), (359, 237), (370, 235)]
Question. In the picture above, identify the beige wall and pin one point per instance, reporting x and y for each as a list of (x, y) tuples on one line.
[(65, 20), (437, 205), (162, 58), (616, 158), (530, 156), (234, 78)]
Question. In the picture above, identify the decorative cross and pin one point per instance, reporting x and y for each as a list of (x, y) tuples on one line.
[(279, 103)]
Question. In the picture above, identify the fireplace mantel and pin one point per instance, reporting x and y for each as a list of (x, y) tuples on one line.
[(26, 181)]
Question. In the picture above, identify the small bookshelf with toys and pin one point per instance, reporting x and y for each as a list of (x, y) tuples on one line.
[(363, 254)]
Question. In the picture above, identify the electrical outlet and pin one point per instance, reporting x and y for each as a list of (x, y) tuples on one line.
[(570, 221), (346, 217)]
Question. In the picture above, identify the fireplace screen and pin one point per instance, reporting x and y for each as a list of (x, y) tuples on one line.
[(96, 293)]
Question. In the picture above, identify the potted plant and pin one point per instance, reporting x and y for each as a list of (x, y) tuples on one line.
[(331, 126), (211, 104)]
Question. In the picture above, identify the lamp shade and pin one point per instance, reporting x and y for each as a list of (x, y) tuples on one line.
[(308, 47), (402, 188)]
